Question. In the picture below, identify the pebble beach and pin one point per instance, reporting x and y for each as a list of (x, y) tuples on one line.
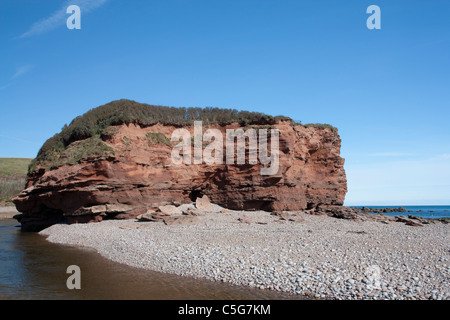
[(312, 256)]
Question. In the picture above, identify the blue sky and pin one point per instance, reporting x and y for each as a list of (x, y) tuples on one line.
[(316, 61)]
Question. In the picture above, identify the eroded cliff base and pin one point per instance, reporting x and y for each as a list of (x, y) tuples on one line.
[(128, 170)]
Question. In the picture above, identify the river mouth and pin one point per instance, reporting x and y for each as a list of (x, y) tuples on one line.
[(33, 268)]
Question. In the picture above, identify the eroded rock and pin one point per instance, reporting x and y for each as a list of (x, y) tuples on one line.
[(141, 175)]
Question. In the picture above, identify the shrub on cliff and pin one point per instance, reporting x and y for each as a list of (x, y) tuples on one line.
[(321, 126), (96, 123), (157, 137)]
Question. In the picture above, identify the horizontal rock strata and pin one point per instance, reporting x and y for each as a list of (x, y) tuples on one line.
[(139, 175)]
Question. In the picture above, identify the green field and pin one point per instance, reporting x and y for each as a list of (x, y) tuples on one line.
[(13, 172), (13, 166)]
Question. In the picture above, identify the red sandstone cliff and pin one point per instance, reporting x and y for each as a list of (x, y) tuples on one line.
[(141, 175)]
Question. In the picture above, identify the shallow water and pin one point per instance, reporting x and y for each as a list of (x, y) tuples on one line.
[(33, 268)]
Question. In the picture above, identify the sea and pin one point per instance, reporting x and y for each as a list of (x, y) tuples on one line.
[(33, 268), (427, 212)]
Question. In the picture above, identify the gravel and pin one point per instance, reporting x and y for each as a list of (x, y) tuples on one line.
[(316, 256)]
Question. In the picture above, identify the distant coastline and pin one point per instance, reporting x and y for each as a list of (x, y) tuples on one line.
[(423, 211)]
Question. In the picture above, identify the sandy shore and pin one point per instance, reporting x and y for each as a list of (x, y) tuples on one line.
[(319, 256), (7, 212)]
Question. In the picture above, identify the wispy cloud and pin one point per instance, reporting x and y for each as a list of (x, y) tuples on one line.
[(20, 71), (59, 17)]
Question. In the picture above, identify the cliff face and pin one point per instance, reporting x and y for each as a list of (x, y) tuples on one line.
[(139, 174)]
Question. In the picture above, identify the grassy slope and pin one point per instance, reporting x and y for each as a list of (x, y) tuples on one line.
[(13, 173), (13, 166)]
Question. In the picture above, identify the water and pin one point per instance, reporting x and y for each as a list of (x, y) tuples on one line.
[(427, 212), (33, 268)]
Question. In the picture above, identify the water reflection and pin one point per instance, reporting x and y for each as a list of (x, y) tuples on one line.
[(33, 268)]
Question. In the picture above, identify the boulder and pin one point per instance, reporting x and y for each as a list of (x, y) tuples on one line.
[(413, 223), (419, 219), (340, 212), (407, 221), (151, 216), (203, 203)]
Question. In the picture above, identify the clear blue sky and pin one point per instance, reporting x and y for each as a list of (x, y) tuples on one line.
[(388, 90)]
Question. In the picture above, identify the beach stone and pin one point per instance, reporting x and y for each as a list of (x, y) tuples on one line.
[(413, 223), (282, 215), (152, 216), (170, 210), (193, 212), (419, 219), (407, 221), (203, 203), (244, 219), (130, 214), (296, 219), (118, 208), (179, 220)]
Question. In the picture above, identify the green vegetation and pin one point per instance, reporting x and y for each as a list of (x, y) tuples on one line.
[(95, 126), (14, 166), (98, 120), (321, 126), (157, 137), (12, 177), (87, 148), (126, 141)]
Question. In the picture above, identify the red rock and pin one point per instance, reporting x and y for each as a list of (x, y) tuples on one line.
[(170, 210), (152, 216), (140, 175)]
